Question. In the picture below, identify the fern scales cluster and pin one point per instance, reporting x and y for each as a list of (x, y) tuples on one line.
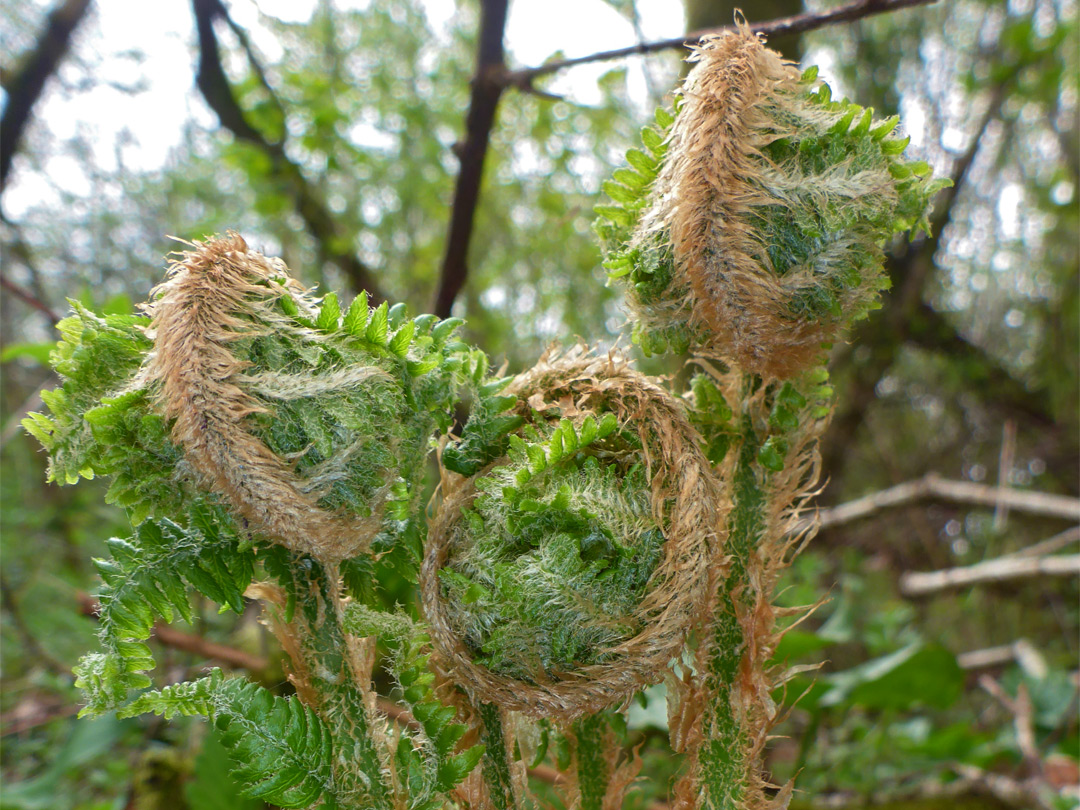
[(595, 532)]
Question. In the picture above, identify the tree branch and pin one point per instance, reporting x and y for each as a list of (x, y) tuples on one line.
[(487, 87), (907, 318), (215, 87), (1021, 651), (1000, 570), (24, 87), (798, 24), (29, 298), (933, 486)]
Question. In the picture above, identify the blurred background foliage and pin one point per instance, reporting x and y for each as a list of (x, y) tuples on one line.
[(962, 697)]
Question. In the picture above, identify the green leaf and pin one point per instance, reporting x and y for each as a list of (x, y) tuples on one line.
[(645, 165), (399, 344), (917, 675), (442, 332), (772, 453), (378, 325), (38, 352), (329, 314), (621, 193), (150, 575), (357, 317), (608, 424), (282, 752), (454, 770), (212, 786)]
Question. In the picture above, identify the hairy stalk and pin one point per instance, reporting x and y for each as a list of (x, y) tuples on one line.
[(331, 671)]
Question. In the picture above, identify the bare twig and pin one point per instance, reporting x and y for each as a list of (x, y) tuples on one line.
[(189, 642), (999, 570), (1021, 651), (1050, 545), (1022, 711), (24, 87), (798, 24), (487, 87), (29, 298), (32, 715), (1005, 465), (215, 87), (934, 487)]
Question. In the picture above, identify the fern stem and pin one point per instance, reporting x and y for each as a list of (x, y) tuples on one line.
[(496, 764), (723, 755), (326, 670)]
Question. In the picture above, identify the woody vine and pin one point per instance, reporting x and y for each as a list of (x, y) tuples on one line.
[(595, 531)]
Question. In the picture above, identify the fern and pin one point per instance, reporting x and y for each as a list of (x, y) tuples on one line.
[(150, 575), (282, 752), (101, 422), (425, 760)]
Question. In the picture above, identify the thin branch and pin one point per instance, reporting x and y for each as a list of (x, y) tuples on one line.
[(798, 24), (908, 319), (1050, 545), (189, 642), (487, 86), (1022, 651), (1000, 570), (933, 487), (29, 298), (215, 87), (1023, 713), (24, 87)]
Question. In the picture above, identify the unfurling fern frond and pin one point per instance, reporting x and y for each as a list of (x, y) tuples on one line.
[(311, 424), (281, 750), (150, 575), (759, 236), (562, 577)]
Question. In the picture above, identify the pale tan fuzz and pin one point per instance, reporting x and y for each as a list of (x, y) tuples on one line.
[(703, 199), (215, 295)]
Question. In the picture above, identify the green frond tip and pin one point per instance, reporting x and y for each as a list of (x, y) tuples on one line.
[(149, 576), (281, 751), (100, 423)]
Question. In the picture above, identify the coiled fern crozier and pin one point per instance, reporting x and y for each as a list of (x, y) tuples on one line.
[(596, 530)]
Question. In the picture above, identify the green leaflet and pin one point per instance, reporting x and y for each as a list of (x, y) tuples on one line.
[(100, 424), (282, 752), (148, 576), (555, 553)]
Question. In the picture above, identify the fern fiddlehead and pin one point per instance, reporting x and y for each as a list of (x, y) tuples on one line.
[(565, 576), (596, 532)]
